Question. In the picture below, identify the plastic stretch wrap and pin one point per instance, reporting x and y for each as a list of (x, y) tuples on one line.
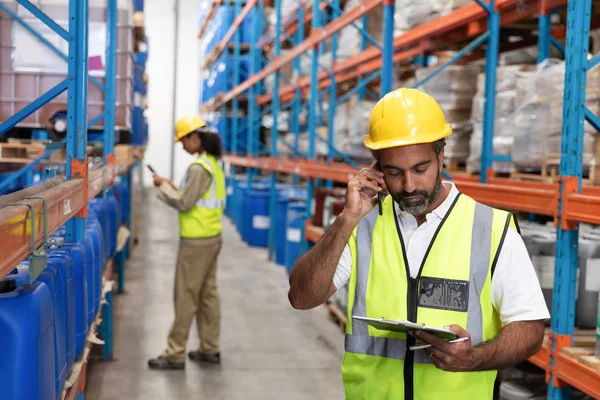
[(286, 144), (410, 13), (537, 121), (453, 88), (508, 78)]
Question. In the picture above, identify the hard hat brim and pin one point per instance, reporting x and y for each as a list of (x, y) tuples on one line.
[(398, 142), (197, 126)]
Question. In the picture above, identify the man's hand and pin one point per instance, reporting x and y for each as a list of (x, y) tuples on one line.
[(453, 357), (361, 196)]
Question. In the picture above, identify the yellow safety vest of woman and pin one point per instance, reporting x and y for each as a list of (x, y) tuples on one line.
[(204, 219), (453, 287)]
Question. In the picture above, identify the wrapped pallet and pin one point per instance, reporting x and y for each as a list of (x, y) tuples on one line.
[(454, 89), (410, 13), (537, 121), (506, 94), (351, 127)]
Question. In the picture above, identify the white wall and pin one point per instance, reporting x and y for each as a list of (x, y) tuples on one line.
[(160, 26)]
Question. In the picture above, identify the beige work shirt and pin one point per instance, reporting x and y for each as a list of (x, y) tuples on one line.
[(197, 182)]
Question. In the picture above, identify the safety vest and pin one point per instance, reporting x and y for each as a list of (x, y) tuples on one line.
[(453, 286), (204, 219)]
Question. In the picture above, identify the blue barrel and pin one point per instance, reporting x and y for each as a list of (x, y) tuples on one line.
[(281, 227), (20, 274), (91, 277), (255, 228), (100, 207), (229, 200), (95, 233), (77, 253), (240, 189), (124, 201), (102, 252), (240, 201), (27, 362), (295, 220), (114, 218), (285, 196), (62, 261), (49, 277)]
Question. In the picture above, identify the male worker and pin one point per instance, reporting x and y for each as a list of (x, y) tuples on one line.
[(435, 257), (200, 203)]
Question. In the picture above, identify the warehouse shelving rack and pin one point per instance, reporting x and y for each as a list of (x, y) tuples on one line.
[(566, 200), (25, 223)]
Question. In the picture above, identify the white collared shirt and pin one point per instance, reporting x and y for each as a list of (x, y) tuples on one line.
[(516, 292)]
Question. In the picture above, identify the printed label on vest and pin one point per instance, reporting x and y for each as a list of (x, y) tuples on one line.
[(444, 294)]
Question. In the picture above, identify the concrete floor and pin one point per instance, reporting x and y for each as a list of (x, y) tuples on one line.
[(269, 350)]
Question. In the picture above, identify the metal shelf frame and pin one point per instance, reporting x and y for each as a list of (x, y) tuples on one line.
[(566, 200), (25, 224)]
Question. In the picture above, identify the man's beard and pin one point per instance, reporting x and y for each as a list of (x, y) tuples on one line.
[(421, 201)]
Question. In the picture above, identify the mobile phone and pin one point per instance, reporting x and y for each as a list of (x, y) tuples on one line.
[(379, 194), (151, 169)]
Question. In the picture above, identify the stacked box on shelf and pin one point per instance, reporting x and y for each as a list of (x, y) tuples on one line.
[(537, 120), (506, 93), (351, 122), (454, 89)]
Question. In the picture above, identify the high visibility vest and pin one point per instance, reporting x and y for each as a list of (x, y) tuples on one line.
[(453, 286), (204, 219)]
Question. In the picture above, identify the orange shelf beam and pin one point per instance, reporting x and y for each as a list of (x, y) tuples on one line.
[(237, 22), (574, 373), (290, 26), (314, 39), (463, 23), (534, 197), (209, 16), (62, 201), (313, 233)]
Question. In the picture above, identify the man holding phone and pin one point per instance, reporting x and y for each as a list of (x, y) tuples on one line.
[(432, 256), (200, 201)]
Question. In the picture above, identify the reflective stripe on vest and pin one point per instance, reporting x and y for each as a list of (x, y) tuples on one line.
[(455, 288), (212, 201), (359, 342), (204, 219)]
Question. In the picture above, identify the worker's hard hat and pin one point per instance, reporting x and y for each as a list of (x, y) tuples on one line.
[(187, 125), (405, 117)]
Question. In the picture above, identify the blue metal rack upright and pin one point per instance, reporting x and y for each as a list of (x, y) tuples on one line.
[(76, 86), (562, 372), (575, 113)]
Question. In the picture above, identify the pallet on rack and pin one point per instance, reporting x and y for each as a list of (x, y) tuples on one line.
[(456, 165), (584, 355), (19, 152), (549, 171), (337, 315)]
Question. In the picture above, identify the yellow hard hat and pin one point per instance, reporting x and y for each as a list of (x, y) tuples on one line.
[(405, 117), (187, 125)]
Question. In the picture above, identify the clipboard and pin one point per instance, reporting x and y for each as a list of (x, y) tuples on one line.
[(405, 326)]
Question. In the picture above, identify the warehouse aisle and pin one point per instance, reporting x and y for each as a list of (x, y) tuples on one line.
[(269, 350)]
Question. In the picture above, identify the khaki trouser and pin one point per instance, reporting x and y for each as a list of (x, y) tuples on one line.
[(196, 295)]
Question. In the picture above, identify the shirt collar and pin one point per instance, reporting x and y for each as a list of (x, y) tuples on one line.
[(441, 211)]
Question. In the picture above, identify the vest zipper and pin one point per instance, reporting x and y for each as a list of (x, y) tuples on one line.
[(412, 301)]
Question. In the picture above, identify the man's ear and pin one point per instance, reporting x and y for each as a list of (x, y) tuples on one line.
[(441, 160)]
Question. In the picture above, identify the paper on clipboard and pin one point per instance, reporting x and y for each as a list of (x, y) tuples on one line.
[(405, 326)]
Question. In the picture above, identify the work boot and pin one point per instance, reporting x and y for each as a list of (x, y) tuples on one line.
[(162, 363), (210, 358)]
